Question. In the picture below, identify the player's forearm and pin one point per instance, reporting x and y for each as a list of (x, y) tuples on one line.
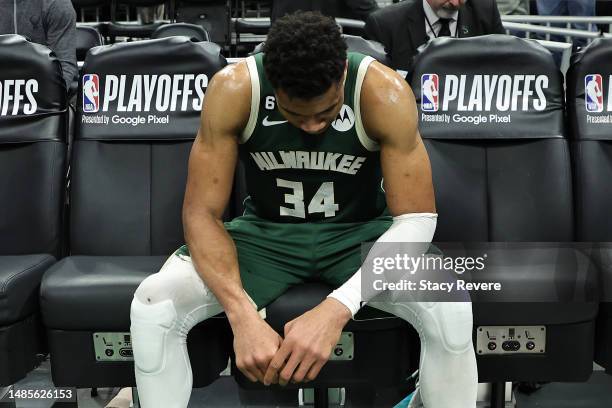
[(418, 228), (214, 255)]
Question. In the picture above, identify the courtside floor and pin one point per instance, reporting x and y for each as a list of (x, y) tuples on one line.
[(596, 393)]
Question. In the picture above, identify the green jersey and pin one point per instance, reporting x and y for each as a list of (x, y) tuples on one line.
[(296, 177)]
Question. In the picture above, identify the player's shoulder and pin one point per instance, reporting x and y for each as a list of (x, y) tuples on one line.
[(228, 97), (386, 103), (383, 86), (231, 81)]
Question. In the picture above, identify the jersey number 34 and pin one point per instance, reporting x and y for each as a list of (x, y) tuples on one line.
[(322, 201)]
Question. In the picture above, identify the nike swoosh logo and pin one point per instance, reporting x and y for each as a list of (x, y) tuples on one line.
[(267, 122)]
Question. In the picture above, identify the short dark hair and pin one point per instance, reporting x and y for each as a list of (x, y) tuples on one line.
[(304, 54)]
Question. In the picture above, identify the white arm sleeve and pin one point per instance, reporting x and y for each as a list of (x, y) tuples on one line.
[(415, 227)]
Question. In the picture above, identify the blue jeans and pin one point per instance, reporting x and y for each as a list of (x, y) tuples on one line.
[(567, 8)]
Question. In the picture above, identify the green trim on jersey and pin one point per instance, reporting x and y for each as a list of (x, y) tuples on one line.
[(295, 177)]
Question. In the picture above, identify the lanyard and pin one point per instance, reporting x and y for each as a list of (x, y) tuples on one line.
[(434, 32)]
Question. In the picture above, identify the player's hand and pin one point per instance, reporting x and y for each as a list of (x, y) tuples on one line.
[(309, 340), (255, 344)]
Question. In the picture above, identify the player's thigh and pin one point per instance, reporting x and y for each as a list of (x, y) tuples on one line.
[(271, 257), (340, 250)]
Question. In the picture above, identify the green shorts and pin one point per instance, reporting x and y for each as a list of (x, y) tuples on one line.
[(275, 256)]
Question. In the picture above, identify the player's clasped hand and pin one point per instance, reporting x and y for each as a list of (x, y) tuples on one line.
[(309, 340), (255, 344)]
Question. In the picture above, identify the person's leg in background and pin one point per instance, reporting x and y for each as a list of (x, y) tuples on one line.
[(515, 8), (553, 8), (160, 13), (151, 14), (584, 8)]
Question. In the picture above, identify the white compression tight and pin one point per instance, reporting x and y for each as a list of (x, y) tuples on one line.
[(165, 307), (448, 376), (169, 303)]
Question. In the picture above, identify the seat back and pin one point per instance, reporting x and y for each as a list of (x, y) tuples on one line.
[(495, 138), (194, 32), (33, 135), (368, 47), (589, 96), (87, 38), (502, 173), (138, 114), (212, 15), (590, 118)]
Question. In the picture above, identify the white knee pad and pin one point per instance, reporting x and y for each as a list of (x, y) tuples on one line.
[(179, 282), (455, 322), (165, 307), (150, 326)]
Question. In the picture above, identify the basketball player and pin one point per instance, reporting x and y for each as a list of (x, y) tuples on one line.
[(317, 129)]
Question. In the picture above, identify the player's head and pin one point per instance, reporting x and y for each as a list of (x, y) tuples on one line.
[(305, 61)]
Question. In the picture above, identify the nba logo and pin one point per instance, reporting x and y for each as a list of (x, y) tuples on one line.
[(429, 92), (91, 94), (593, 94)]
